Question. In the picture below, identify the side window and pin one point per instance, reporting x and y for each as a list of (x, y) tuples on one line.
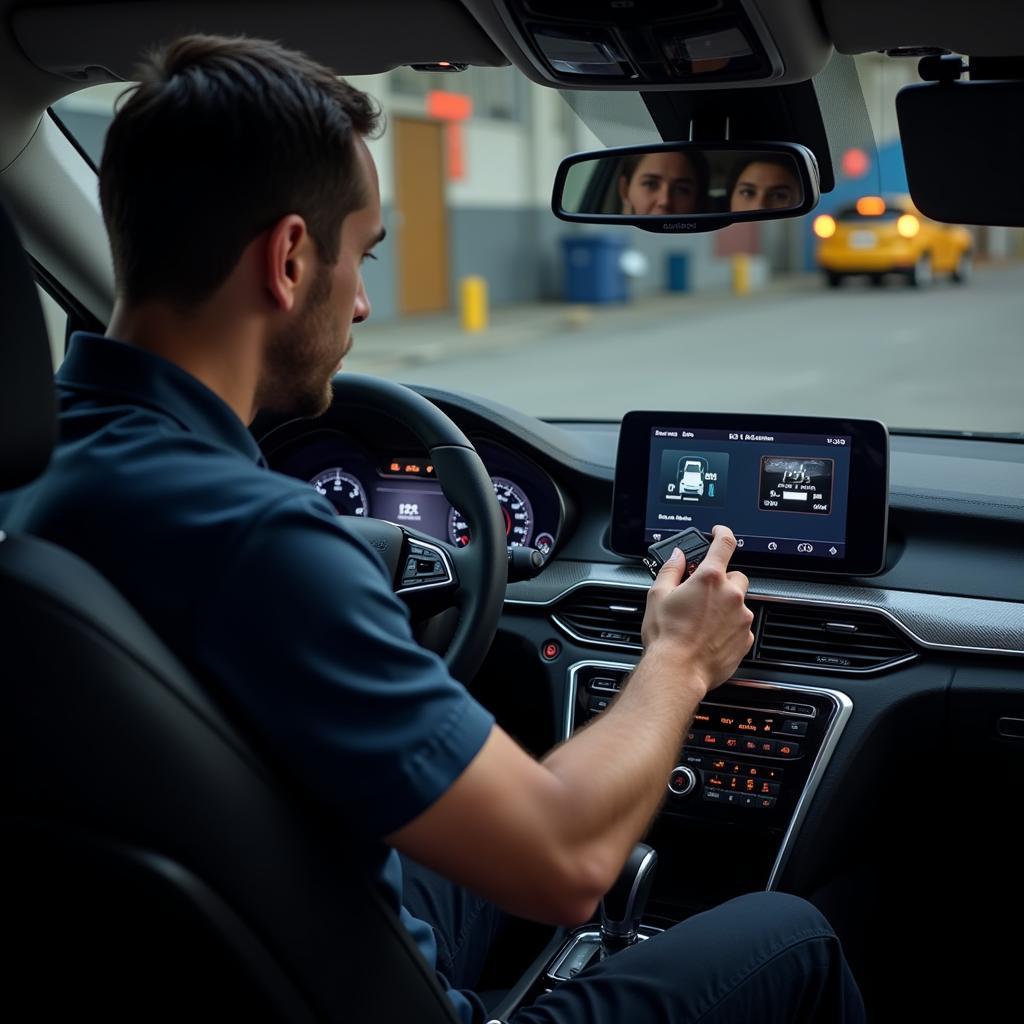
[(56, 325)]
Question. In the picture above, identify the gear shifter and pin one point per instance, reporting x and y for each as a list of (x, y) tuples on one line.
[(623, 905)]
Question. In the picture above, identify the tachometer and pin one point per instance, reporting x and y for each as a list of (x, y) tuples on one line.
[(343, 490), (515, 510)]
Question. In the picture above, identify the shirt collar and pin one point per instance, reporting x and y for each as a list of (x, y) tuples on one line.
[(105, 366)]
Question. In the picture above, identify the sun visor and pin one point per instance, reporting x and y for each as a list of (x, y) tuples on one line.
[(95, 42), (963, 146)]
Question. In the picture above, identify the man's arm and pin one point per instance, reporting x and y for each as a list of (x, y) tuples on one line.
[(547, 839)]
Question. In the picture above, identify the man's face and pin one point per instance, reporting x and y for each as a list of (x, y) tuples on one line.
[(662, 184), (302, 358)]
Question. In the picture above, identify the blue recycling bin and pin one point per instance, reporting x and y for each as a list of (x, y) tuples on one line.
[(678, 271), (592, 269)]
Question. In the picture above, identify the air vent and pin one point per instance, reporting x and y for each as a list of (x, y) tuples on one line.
[(603, 615), (828, 639)]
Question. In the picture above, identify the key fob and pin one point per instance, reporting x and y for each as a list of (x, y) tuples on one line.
[(691, 542)]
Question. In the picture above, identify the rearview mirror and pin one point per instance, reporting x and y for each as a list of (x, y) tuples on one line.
[(687, 186)]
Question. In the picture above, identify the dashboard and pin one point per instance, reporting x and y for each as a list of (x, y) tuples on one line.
[(869, 753)]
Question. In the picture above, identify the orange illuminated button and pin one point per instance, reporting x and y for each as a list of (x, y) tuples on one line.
[(731, 742), (709, 739), (787, 749), (766, 803), (717, 781)]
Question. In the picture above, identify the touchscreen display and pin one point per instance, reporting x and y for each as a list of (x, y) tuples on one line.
[(801, 493), (778, 492)]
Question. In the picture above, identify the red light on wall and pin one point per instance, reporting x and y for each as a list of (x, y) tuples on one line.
[(855, 163), (449, 106)]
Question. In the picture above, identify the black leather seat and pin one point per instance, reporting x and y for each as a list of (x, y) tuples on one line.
[(154, 864)]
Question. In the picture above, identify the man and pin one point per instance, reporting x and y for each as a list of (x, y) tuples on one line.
[(241, 200)]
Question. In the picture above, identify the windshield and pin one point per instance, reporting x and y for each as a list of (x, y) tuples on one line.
[(863, 308)]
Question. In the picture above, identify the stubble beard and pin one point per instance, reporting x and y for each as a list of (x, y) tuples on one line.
[(299, 361)]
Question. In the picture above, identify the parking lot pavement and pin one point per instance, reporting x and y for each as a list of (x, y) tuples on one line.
[(947, 357)]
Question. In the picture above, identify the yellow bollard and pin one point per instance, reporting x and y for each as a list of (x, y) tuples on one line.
[(473, 304), (741, 274)]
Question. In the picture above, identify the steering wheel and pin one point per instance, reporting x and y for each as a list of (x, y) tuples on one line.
[(443, 585)]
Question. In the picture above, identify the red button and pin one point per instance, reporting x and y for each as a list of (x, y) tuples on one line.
[(551, 650)]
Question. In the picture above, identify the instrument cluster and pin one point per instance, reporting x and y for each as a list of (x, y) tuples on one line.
[(402, 487)]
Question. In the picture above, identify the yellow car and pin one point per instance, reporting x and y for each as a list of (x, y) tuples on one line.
[(879, 236)]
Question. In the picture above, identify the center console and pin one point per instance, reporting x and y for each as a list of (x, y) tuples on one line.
[(749, 764)]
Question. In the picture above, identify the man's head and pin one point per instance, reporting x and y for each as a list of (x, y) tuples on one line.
[(236, 164), (662, 183)]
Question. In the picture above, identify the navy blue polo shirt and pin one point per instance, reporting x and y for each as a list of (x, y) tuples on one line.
[(252, 579)]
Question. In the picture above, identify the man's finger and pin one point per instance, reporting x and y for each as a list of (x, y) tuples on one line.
[(739, 579), (670, 575), (723, 544)]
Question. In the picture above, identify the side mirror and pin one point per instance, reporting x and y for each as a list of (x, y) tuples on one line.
[(687, 186)]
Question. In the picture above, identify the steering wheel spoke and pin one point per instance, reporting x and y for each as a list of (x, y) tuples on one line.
[(426, 565)]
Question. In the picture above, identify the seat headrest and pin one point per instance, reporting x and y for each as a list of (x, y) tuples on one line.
[(28, 404)]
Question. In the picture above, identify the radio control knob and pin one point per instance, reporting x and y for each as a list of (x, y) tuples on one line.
[(682, 780)]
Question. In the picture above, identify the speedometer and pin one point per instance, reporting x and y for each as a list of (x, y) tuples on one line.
[(515, 510), (343, 490)]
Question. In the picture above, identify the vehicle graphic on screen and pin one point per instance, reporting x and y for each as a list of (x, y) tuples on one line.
[(693, 479), (691, 476)]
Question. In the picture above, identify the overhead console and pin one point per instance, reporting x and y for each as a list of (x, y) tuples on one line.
[(652, 44), (804, 494)]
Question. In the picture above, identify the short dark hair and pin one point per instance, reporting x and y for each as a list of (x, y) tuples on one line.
[(220, 139)]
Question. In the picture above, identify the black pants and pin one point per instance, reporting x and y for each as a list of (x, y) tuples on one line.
[(761, 957)]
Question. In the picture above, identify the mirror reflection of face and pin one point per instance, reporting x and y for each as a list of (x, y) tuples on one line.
[(661, 184), (764, 185)]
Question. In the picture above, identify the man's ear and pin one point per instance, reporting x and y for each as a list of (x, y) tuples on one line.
[(286, 259)]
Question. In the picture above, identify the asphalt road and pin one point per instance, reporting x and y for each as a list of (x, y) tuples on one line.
[(948, 357)]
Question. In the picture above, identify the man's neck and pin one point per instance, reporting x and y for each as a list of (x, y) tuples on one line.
[(217, 348)]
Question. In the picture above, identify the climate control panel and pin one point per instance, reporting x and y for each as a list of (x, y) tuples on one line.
[(749, 754)]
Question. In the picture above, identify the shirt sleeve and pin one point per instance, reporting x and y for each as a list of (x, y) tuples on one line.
[(309, 645)]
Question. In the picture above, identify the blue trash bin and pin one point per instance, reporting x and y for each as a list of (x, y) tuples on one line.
[(592, 269), (678, 271)]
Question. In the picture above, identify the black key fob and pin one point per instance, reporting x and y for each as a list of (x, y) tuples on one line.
[(691, 542)]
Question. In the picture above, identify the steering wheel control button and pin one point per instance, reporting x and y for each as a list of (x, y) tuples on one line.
[(425, 566), (551, 650), (682, 780)]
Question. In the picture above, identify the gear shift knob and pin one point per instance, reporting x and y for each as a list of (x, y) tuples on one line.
[(623, 905)]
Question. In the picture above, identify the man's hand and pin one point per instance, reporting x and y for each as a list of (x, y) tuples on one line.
[(702, 623)]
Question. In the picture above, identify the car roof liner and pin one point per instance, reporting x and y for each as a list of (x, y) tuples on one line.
[(101, 42), (984, 28)]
